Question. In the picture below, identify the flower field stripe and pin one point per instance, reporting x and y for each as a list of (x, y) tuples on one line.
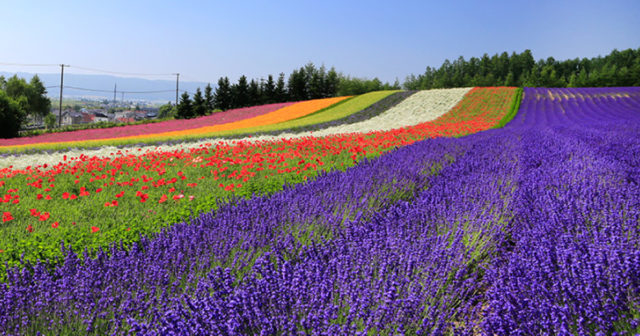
[(285, 113), (335, 112), (163, 126), (23, 160), (164, 187)]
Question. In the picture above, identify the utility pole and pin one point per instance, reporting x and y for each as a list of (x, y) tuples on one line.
[(177, 86), (61, 86), (114, 92), (122, 98)]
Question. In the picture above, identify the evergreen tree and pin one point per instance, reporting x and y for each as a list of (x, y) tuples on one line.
[(254, 93), (269, 90), (209, 98), (223, 96), (331, 83), (199, 104), (185, 107), (317, 83), (240, 93), (281, 90), (297, 85)]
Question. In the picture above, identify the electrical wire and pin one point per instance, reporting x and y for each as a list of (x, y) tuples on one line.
[(120, 73), (117, 91)]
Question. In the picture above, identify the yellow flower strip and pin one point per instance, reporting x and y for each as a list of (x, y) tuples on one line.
[(290, 112)]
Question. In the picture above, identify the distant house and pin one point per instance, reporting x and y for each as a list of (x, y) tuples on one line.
[(100, 117), (72, 118)]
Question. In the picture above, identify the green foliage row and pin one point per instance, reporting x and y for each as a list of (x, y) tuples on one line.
[(619, 68), (513, 110)]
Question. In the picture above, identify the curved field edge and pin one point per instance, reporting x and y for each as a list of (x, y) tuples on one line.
[(303, 108), (241, 170), (513, 110)]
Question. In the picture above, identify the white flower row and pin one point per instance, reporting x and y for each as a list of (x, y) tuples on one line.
[(420, 107)]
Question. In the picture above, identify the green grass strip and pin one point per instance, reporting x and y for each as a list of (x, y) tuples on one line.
[(513, 110)]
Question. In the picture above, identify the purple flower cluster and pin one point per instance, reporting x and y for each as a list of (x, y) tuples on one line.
[(529, 229), (571, 261)]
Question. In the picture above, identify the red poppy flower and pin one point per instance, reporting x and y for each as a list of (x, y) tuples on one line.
[(6, 216), (94, 229), (55, 225), (163, 199), (29, 228), (44, 216)]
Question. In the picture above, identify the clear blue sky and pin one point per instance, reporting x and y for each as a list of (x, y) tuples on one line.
[(204, 40)]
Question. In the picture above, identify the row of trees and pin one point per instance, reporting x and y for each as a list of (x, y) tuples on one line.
[(619, 68), (20, 100), (307, 82)]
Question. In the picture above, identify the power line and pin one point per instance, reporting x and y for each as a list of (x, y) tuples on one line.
[(109, 91), (120, 73), (89, 69)]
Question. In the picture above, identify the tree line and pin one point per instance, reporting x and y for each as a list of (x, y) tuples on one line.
[(619, 68), (307, 82), (21, 100)]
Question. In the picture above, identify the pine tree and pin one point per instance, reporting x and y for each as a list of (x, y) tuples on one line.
[(240, 93), (185, 107), (209, 98), (253, 93), (281, 90), (223, 97), (317, 83), (269, 90), (199, 104), (297, 85)]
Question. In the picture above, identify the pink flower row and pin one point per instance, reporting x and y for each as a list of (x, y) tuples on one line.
[(164, 126)]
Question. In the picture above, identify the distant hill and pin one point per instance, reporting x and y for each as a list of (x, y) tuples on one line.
[(107, 82)]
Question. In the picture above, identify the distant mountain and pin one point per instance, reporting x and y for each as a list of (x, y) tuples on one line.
[(107, 82)]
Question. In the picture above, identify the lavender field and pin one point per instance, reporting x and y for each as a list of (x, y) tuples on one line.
[(529, 229)]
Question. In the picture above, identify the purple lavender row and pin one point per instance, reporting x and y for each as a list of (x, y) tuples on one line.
[(582, 107), (140, 288), (571, 263), (415, 267)]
